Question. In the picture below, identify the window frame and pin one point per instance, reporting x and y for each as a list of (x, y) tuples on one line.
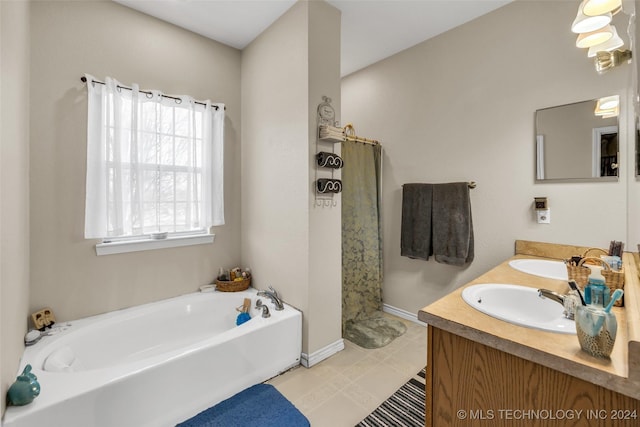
[(119, 245)]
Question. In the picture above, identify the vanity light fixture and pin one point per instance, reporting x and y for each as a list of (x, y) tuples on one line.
[(608, 60), (594, 38), (585, 23), (595, 31), (611, 44), (598, 7)]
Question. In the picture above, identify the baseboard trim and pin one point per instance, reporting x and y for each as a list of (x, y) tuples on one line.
[(402, 314), (308, 360)]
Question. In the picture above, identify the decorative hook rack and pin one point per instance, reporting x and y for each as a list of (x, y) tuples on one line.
[(329, 131), (326, 203)]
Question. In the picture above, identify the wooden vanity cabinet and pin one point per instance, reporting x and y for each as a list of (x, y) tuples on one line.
[(470, 384)]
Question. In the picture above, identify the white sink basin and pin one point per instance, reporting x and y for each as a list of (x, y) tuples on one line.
[(519, 305), (541, 267)]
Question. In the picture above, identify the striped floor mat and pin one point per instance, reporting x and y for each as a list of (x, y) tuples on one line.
[(405, 408)]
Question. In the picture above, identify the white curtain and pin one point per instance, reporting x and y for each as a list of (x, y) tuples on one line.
[(153, 163)]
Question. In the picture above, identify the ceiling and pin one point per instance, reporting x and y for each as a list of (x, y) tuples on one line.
[(371, 29)]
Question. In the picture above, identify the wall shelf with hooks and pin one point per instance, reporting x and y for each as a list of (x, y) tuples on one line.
[(328, 162)]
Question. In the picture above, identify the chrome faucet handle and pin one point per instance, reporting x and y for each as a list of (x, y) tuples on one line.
[(265, 309), (274, 291)]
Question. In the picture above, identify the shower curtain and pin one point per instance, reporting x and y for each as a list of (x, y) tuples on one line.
[(361, 232), (362, 319)]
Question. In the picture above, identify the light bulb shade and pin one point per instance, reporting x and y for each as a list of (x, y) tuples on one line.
[(594, 37), (598, 7), (584, 23), (611, 44)]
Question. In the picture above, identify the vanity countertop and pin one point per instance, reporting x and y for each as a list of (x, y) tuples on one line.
[(562, 352)]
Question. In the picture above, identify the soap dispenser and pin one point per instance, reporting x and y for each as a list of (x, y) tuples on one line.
[(596, 292)]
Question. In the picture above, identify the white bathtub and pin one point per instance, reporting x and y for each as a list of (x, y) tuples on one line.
[(157, 364)]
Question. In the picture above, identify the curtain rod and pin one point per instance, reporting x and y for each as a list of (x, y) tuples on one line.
[(84, 80), (360, 139), (350, 135)]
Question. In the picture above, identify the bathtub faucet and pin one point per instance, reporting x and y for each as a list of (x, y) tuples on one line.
[(273, 296)]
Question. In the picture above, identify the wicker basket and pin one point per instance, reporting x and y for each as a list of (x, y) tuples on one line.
[(613, 279), (233, 286), (586, 253), (581, 273)]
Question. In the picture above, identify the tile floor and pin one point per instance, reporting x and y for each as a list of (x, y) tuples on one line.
[(342, 390)]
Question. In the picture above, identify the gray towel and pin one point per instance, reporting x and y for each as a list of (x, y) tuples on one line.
[(415, 234), (452, 224), (436, 220)]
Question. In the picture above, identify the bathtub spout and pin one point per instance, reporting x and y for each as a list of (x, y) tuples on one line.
[(274, 297)]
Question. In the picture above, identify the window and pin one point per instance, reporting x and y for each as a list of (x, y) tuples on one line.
[(154, 163)]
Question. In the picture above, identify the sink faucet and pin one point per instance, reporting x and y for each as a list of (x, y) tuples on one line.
[(546, 293), (274, 297), (566, 301)]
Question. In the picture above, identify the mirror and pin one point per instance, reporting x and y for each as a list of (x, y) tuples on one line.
[(578, 141), (637, 134)]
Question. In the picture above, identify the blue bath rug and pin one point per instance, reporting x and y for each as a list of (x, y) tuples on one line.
[(258, 406)]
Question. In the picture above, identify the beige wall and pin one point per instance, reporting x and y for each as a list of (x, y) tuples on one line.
[(275, 233), (103, 38), (325, 224), (14, 187), (460, 107), (283, 238)]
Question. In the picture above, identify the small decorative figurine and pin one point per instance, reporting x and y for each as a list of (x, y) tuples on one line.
[(43, 319), (24, 389)]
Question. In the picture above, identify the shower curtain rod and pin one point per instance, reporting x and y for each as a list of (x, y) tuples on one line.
[(350, 135), (84, 80), (360, 139)]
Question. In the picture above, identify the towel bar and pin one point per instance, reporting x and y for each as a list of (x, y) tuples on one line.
[(472, 184)]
